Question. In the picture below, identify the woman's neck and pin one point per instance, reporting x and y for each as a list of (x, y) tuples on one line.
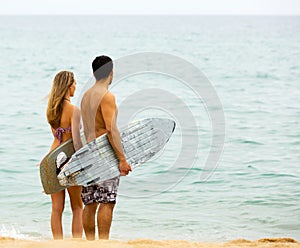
[(67, 97)]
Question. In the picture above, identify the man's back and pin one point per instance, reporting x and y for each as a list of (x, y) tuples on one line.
[(92, 111)]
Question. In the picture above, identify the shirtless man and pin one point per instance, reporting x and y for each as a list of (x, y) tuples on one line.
[(99, 115)]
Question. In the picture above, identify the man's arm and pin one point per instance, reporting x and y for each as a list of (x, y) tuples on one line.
[(108, 108)]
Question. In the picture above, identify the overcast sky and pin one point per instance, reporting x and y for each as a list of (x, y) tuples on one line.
[(128, 7)]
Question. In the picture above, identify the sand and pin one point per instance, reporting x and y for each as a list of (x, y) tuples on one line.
[(143, 243)]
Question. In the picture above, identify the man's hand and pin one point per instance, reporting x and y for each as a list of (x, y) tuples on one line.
[(124, 167)]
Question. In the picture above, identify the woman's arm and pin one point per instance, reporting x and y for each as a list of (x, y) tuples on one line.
[(75, 125)]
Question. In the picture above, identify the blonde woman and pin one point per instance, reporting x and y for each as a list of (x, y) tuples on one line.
[(64, 119)]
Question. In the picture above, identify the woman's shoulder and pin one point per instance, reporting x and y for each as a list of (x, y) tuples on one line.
[(68, 106), (69, 109)]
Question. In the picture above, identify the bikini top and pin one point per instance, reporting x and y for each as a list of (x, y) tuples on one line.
[(59, 132)]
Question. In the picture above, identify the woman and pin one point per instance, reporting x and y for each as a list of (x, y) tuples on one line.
[(64, 119)]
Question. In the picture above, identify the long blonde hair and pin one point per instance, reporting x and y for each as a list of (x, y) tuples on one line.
[(61, 84)]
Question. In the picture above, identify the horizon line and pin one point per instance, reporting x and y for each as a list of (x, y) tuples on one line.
[(173, 14)]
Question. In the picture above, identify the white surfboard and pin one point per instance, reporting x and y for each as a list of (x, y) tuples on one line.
[(96, 161)]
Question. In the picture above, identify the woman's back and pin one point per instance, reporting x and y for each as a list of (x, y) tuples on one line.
[(64, 131)]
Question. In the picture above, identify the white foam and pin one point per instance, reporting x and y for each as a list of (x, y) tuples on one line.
[(12, 232)]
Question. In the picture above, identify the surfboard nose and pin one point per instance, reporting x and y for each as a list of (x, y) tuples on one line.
[(164, 126)]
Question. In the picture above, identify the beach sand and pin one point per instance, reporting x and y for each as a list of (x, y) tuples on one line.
[(143, 243)]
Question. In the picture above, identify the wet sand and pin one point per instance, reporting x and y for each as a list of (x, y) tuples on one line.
[(144, 243)]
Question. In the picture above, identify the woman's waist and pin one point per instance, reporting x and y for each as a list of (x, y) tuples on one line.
[(57, 143)]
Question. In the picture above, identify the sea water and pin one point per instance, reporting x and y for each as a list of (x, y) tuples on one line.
[(252, 64)]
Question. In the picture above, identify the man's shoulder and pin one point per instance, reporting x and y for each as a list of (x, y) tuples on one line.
[(109, 96), (90, 93), (86, 95)]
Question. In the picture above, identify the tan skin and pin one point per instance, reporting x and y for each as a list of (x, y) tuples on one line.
[(70, 117), (96, 124)]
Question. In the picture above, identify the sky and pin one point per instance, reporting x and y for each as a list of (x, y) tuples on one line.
[(140, 7)]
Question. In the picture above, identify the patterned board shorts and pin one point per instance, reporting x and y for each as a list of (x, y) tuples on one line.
[(104, 192)]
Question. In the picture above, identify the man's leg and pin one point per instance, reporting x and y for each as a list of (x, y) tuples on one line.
[(88, 219), (104, 219)]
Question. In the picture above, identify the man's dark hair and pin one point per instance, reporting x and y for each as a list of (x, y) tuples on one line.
[(102, 66)]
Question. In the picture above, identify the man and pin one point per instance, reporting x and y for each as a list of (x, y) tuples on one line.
[(99, 116)]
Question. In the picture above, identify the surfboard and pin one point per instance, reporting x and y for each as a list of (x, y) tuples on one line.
[(49, 164), (97, 162)]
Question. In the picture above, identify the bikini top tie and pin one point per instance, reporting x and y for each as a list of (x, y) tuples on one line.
[(59, 132)]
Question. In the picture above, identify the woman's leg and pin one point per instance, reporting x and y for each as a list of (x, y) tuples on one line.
[(76, 205), (58, 204)]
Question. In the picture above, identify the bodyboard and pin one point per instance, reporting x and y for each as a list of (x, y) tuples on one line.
[(49, 170)]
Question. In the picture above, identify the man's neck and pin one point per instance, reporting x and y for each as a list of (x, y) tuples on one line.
[(103, 82)]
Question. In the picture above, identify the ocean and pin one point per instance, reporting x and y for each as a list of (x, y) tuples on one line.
[(249, 64)]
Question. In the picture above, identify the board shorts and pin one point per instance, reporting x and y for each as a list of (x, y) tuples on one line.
[(104, 192)]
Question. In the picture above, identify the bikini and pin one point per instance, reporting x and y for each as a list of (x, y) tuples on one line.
[(59, 132)]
